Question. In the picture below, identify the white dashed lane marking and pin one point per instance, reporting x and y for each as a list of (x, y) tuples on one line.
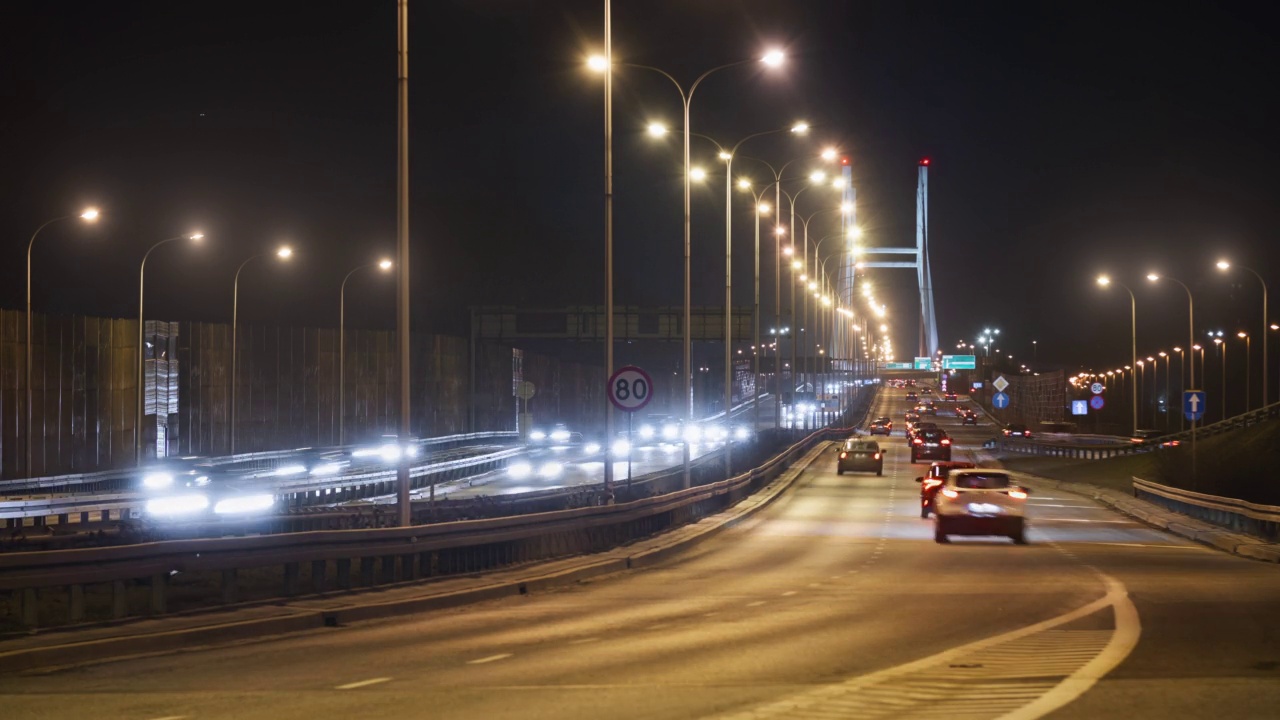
[(491, 658), (362, 683)]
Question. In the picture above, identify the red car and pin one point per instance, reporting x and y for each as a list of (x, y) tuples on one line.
[(931, 483)]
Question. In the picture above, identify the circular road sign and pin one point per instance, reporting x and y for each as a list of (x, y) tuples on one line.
[(526, 390), (630, 388), (1096, 388), (1096, 402)]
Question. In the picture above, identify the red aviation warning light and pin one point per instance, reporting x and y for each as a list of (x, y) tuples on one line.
[(844, 161), (924, 161)]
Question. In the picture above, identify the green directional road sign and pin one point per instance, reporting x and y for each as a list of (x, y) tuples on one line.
[(898, 366), (959, 362), (923, 363)]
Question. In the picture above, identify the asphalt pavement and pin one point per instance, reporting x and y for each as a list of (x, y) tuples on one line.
[(833, 602)]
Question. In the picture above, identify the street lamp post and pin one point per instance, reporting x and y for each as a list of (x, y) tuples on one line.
[(1167, 402), (88, 215), (1224, 265), (773, 58), (1182, 368), (1248, 365), (383, 265), (1222, 348), (1104, 281), (284, 253), (760, 208), (142, 362)]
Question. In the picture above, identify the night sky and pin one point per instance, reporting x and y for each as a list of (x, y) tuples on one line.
[(1064, 141)]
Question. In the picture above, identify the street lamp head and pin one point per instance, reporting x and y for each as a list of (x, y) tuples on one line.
[(1162, 354), (384, 264), (656, 129), (788, 251), (1103, 280), (846, 207), (817, 176), (1153, 277), (855, 233), (285, 252), (744, 184), (780, 231), (804, 277), (724, 155), (837, 183), (697, 174), (1223, 265), (1177, 349), (1197, 346), (1274, 326), (796, 264), (597, 63), (196, 236), (89, 215), (1242, 334), (829, 154), (813, 284), (1217, 341), (800, 128), (764, 208), (1150, 359), (773, 58)]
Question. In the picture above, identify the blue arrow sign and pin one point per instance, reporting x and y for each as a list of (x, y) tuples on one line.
[(1193, 404), (1079, 407), (1000, 400)]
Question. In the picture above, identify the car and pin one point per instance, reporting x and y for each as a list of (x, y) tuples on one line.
[(860, 455), (912, 417), (929, 408), (951, 397), (980, 501), (912, 397), (880, 426), (968, 417), (933, 480), (930, 444), (1017, 430), (916, 428), (926, 391)]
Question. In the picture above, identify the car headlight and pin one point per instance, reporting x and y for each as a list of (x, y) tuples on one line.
[(692, 434), (389, 453), (647, 432), (177, 505), (322, 469), (670, 431), (157, 480), (537, 435), (591, 448), (519, 470), (741, 434), (621, 448), (560, 435), (287, 470), (244, 504), (550, 470)]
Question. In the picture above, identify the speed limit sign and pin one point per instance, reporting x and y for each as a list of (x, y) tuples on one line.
[(630, 388)]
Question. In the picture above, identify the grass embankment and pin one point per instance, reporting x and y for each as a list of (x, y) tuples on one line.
[(1238, 464)]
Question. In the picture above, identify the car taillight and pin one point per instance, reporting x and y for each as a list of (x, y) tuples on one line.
[(1026, 433), (1018, 494), (877, 456), (946, 441), (932, 483), (844, 455), (918, 441), (950, 493)]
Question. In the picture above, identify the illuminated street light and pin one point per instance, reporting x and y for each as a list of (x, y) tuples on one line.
[(855, 233), (656, 129), (597, 63), (800, 128), (818, 176), (384, 265), (773, 58), (140, 410), (88, 215), (744, 184), (1224, 265), (697, 174), (284, 252), (829, 154)]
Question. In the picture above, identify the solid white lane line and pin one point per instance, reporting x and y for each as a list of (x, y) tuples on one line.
[(757, 603), (172, 717), (491, 658), (1146, 545), (789, 593), (583, 641), (362, 683)]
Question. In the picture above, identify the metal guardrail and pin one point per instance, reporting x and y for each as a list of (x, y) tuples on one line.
[(1252, 518), (405, 553), (111, 479), (299, 493), (1096, 451)]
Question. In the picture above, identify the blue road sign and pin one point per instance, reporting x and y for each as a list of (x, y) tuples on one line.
[(1000, 400), (1193, 403), (1096, 402), (1079, 407)]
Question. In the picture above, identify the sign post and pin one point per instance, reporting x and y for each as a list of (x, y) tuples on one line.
[(630, 389), (1193, 405)]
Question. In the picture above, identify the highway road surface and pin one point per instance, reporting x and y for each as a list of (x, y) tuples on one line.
[(834, 602)]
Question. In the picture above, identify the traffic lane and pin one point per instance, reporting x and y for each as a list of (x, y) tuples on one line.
[(837, 579), (1210, 643)]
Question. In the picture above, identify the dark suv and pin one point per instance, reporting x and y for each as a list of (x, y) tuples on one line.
[(931, 444), (932, 482)]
